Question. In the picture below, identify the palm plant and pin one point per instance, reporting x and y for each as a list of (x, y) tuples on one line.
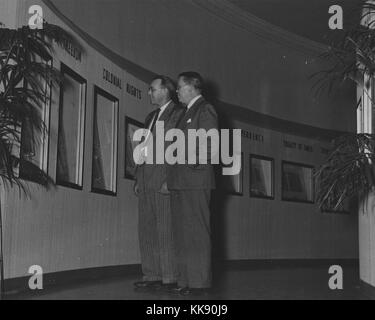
[(348, 171), (24, 71)]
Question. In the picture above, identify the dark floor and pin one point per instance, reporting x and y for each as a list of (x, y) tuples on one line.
[(237, 284)]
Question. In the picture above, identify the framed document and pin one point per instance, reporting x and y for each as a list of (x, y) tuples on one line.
[(34, 147), (297, 182), (131, 126), (233, 184), (104, 159), (261, 177), (69, 171)]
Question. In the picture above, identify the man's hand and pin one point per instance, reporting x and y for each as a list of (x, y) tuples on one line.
[(164, 188), (141, 156), (137, 190)]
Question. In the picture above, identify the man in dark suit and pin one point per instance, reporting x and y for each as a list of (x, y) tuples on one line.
[(190, 186), (155, 231)]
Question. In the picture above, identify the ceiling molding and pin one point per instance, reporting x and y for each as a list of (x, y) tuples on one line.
[(228, 110), (261, 28), (130, 67)]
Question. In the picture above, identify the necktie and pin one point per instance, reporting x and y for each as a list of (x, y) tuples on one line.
[(150, 128), (182, 115), (152, 124), (154, 119)]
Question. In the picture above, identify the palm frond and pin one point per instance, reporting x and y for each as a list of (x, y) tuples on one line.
[(348, 171), (25, 75), (352, 55)]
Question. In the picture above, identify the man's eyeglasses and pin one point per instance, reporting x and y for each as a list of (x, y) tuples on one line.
[(153, 89), (179, 87)]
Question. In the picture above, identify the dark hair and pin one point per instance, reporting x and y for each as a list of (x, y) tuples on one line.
[(167, 83), (193, 78)]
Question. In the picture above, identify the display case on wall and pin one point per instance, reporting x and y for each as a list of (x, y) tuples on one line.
[(104, 156), (297, 182), (71, 130), (131, 126), (233, 184), (261, 177)]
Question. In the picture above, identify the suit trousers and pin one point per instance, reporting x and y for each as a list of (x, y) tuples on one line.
[(192, 235), (155, 237)]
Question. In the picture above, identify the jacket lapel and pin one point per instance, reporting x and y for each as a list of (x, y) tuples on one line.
[(164, 116), (167, 112), (191, 112), (150, 119)]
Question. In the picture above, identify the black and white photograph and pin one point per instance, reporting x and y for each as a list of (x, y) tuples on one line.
[(297, 182), (104, 149), (261, 177), (131, 126), (182, 155), (233, 183)]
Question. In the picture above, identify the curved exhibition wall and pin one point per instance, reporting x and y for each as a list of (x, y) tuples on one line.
[(258, 78)]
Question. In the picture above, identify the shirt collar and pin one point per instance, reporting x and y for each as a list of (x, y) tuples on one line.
[(162, 108), (192, 101)]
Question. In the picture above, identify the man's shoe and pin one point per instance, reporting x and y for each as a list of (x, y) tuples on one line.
[(147, 284), (183, 291), (186, 291)]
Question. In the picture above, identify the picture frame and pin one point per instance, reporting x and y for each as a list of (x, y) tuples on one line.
[(131, 126), (261, 177), (76, 146), (233, 184), (35, 157), (297, 182), (105, 143)]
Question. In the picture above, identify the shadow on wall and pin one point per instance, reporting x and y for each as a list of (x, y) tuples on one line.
[(219, 196)]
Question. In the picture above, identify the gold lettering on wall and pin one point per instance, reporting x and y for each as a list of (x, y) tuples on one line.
[(252, 136), (111, 78), (73, 51), (133, 91)]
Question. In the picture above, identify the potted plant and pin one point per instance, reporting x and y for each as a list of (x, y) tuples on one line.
[(348, 172), (22, 95)]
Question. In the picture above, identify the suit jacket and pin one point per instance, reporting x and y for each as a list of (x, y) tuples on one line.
[(152, 176), (201, 115)]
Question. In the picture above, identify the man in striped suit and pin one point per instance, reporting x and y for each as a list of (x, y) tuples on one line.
[(155, 233)]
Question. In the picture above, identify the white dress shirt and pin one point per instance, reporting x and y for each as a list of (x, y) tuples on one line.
[(162, 108), (144, 149)]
